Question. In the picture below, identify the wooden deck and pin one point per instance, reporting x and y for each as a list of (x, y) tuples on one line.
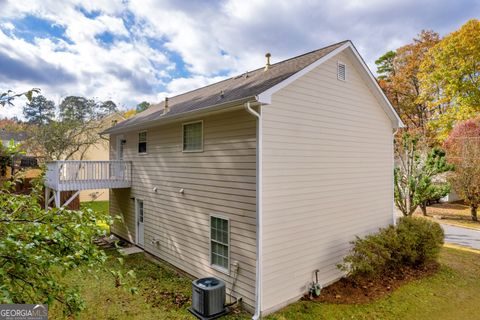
[(68, 175)]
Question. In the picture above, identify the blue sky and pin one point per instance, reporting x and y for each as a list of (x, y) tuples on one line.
[(130, 51)]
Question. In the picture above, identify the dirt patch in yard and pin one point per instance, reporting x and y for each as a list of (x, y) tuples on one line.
[(158, 298), (363, 290)]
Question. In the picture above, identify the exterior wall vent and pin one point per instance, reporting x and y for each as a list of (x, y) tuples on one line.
[(341, 71)]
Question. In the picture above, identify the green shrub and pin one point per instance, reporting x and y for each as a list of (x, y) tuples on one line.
[(412, 243)]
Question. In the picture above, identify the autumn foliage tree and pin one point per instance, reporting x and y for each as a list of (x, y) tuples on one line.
[(450, 78), (398, 77), (463, 147)]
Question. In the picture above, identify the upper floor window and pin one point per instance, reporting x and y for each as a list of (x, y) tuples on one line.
[(193, 136), (142, 142)]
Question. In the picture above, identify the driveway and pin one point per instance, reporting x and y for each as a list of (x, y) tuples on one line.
[(462, 236)]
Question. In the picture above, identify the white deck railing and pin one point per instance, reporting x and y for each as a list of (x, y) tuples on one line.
[(83, 175)]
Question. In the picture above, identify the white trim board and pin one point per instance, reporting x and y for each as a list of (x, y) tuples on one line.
[(266, 96)]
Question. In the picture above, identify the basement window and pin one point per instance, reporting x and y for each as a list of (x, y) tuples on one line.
[(193, 136), (219, 243), (142, 142), (341, 71)]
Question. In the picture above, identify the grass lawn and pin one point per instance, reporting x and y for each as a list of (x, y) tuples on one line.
[(98, 206), (452, 213), (452, 293)]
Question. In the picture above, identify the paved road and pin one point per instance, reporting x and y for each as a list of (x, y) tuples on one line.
[(462, 236)]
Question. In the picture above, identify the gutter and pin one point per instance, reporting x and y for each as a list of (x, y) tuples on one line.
[(394, 215), (259, 173)]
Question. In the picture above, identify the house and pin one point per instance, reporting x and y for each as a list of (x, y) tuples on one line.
[(259, 179), (7, 134), (28, 162)]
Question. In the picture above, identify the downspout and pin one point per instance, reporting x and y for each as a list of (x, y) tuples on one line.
[(258, 269), (394, 214)]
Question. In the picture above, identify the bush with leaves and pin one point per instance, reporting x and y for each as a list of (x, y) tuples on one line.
[(412, 243), (38, 248)]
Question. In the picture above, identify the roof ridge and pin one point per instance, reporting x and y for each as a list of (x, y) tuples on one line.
[(254, 70), (310, 52)]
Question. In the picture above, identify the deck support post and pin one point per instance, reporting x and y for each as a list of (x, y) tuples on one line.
[(47, 197), (57, 198)]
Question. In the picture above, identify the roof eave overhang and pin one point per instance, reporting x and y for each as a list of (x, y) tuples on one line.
[(221, 107)]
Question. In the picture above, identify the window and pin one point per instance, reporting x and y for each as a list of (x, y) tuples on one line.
[(219, 243), (193, 136), (142, 142), (341, 71), (140, 211)]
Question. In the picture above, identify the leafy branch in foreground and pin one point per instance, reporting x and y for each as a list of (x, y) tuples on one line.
[(6, 98), (38, 248)]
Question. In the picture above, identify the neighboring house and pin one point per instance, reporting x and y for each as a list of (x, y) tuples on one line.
[(28, 162), (7, 135), (259, 179), (98, 151)]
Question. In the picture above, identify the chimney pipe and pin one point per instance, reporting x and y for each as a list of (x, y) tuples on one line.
[(165, 107), (267, 65)]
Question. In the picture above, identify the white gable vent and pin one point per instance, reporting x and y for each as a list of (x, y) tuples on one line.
[(341, 71)]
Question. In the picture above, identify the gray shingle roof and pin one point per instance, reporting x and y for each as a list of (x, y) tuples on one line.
[(236, 88), (16, 136)]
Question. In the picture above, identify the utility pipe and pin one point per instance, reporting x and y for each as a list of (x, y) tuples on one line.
[(394, 213), (258, 269)]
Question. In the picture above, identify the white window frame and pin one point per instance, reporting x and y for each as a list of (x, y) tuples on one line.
[(146, 141), (214, 266), (338, 68), (183, 136)]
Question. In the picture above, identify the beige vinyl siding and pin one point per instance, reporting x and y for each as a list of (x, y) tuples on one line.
[(219, 181), (327, 176)]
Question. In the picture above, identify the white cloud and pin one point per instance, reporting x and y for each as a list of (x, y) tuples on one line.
[(214, 40)]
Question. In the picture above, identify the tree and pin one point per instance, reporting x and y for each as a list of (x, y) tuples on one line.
[(428, 189), (129, 113), (74, 131), (106, 107), (6, 98), (81, 109), (39, 110), (142, 106), (415, 173), (77, 109), (385, 66), (463, 147), (450, 78), (398, 77), (37, 247)]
